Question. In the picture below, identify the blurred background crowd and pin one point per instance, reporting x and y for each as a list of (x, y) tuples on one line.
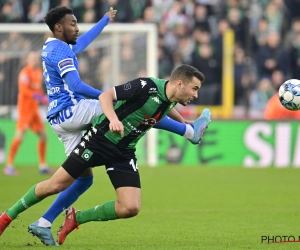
[(267, 40)]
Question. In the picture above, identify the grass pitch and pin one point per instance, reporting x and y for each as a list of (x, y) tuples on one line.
[(182, 208)]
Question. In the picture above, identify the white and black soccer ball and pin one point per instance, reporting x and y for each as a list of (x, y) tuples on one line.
[(289, 94)]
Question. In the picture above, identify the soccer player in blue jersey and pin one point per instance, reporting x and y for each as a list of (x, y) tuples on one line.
[(69, 113)]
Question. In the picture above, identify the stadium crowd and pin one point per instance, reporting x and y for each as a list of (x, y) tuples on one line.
[(267, 40)]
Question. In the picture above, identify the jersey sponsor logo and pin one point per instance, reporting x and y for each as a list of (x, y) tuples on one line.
[(156, 99), (152, 91), (53, 90), (150, 121), (87, 154), (127, 86), (44, 54), (52, 105), (65, 63), (143, 83), (62, 116)]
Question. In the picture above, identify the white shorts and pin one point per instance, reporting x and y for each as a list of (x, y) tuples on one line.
[(70, 123)]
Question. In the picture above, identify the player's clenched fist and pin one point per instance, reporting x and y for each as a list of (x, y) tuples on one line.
[(111, 13), (116, 126)]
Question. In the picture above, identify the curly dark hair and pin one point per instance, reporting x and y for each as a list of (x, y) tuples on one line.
[(55, 15)]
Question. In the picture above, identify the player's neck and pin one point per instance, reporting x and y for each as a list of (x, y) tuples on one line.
[(170, 92), (59, 37)]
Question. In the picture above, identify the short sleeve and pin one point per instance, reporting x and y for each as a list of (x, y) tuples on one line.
[(134, 89)]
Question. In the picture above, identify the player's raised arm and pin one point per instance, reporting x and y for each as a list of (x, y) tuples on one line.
[(106, 102), (75, 84), (84, 40)]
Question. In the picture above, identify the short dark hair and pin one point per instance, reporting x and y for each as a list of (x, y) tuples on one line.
[(186, 73), (55, 15)]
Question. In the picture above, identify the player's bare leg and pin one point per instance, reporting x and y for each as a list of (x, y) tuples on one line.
[(127, 205)]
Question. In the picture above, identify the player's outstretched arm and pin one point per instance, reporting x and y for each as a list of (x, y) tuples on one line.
[(84, 40), (106, 102), (75, 84)]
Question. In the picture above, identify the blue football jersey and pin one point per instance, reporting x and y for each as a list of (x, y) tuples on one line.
[(58, 59)]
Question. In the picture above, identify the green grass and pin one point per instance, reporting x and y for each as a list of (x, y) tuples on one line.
[(182, 208)]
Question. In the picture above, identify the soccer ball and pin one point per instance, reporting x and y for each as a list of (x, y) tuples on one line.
[(289, 94)]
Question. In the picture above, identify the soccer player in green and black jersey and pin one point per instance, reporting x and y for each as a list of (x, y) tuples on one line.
[(141, 104), (111, 141)]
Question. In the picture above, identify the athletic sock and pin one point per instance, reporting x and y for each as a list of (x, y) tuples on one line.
[(190, 132), (42, 151), (28, 200), (171, 125), (44, 223), (102, 212), (13, 151), (67, 197)]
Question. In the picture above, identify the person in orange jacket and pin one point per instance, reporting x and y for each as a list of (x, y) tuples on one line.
[(275, 111), (30, 95)]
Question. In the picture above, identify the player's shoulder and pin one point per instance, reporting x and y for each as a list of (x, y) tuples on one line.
[(145, 83), (54, 45), (158, 81)]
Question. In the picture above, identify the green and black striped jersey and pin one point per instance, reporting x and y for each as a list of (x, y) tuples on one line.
[(141, 103)]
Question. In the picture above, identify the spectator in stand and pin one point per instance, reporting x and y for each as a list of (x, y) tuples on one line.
[(291, 35), (223, 26), (260, 96), (240, 66), (237, 24), (295, 58), (186, 47), (149, 15), (138, 7), (201, 18), (203, 58), (88, 11), (11, 11), (125, 13), (272, 56), (37, 10), (161, 7), (164, 63), (175, 16), (274, 16), (260, 34)]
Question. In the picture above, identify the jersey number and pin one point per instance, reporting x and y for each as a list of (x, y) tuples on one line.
[(45, 73), (133, 165)]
